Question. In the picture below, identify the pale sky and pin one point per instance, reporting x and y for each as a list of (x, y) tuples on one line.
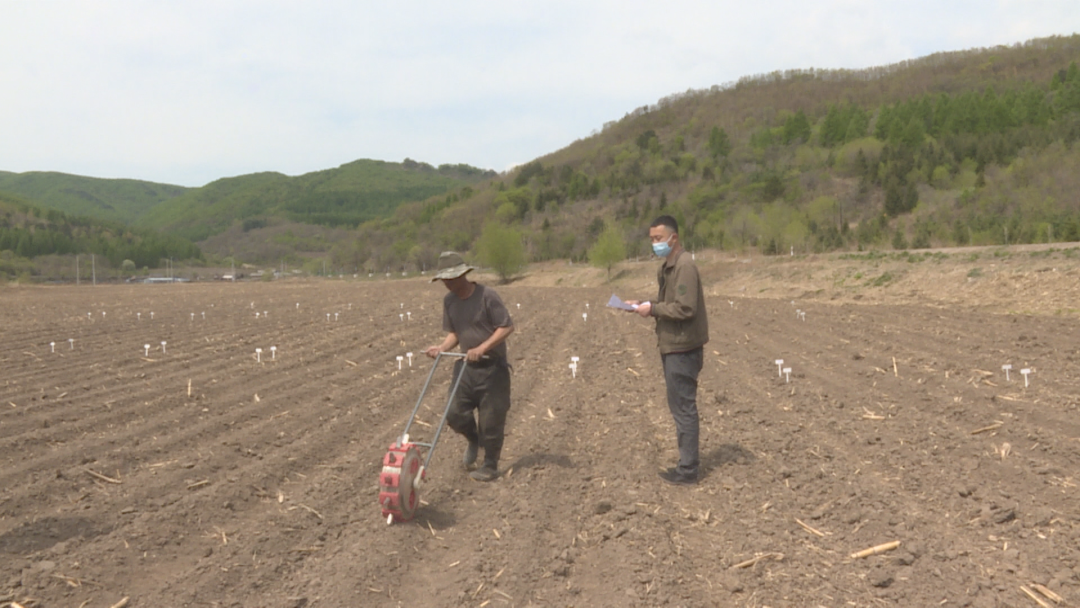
[(191, 91)]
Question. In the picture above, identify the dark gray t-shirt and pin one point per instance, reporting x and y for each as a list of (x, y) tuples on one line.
[(475, 318)]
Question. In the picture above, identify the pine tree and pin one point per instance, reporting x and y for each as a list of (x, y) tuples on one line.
[(797, 128), (719, 144)]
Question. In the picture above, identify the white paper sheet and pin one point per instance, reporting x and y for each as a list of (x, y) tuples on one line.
[(616, 302)]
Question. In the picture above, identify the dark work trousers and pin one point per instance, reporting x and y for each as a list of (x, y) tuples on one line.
[(486, 389), (681, 375)]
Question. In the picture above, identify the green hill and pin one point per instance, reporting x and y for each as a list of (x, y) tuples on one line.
[(972, 147), (116, 200), (343, 197), (34, 240)]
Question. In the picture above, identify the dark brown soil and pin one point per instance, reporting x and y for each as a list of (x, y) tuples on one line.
[(259, 487)]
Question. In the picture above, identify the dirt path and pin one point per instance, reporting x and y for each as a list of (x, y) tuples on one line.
[(258, 488)]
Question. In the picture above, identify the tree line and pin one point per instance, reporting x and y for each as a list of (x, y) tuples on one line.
[(27, 231)]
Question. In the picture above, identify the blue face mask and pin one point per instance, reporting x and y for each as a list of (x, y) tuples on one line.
[(662, 249)]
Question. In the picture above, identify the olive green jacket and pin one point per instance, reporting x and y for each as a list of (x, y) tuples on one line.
[(681, 322)]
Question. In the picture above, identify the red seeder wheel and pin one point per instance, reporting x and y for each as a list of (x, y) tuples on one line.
[(399, 494)]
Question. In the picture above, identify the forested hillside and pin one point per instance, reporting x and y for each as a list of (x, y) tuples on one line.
[(115, 200), (35, 240), (972, 147), (342, 197), (257, 218)]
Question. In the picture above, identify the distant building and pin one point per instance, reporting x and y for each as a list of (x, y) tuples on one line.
[(165, 280)]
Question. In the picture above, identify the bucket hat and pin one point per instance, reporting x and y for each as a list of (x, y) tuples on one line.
[(451, 266)]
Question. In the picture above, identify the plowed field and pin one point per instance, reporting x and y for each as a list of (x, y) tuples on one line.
[(196, 475)]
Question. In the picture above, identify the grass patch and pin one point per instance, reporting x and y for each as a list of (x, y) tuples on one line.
[(975, 273), (881, 281), (867, 257)]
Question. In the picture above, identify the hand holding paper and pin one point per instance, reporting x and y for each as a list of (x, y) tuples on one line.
[(616, 302)]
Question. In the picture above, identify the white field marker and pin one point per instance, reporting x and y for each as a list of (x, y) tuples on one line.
[(89, 316), (1025, 371), (519, 305), (138, 316), (798, 313), (401, 306), (204, 316), (408, 315), (253, 305), (586, 305), (573, 370), (151, 315), (163, 347), (787, 374), (401, 316), (802, 315), (258, 355), (146, 350), (103, 314), (336, 316), (273, 353), (731, 303), (1006, 369), (779, 367), (410, 356), (350, 305), (256, 314), (575, 359), (266, 314), (399, 360), (71, 342), (192, 316), (327, 317), (297, 306), (52, 347), (585, 316)]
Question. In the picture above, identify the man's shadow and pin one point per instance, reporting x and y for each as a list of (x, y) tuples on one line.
[(541, 459), (726, 454)]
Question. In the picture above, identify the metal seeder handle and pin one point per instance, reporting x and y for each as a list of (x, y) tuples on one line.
[(423, 393)]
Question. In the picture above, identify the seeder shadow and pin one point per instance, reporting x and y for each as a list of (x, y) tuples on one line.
[(43, 533), (436, 518), (728, 453), (541, 459)]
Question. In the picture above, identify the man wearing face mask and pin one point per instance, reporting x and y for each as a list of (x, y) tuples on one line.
[(682, 329), (475, 318)]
